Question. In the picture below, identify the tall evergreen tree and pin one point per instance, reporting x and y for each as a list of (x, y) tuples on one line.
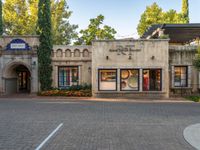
[(45, 47), (185, 11), (1, 19)]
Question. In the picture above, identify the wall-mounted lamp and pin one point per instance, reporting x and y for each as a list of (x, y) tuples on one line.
[(33, 64), (89, 69), (129, 57), (107, 57), (152, 57)]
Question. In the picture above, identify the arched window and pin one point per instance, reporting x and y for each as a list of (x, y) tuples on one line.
[(76, 53), (68, 53), (59, 53), (85, 53)]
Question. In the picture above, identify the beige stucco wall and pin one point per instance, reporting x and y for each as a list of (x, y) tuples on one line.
[(79, 56), (183, 56), (152, 54)]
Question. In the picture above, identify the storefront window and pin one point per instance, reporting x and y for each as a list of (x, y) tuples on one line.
[(129, 80), (152, 80), (180, 76), (68, 76), (108, 80)]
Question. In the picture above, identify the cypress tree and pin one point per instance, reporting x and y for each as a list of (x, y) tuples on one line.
[(1, 19), (45, 47), (185, 11)]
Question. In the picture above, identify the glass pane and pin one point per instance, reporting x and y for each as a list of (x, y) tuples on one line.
[(129, 79), (68, 76), (152, 80), (180, 76), (146, 80), (107, 79), (183, 83)]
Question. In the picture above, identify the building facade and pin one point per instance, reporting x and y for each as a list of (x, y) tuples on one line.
[(148, 67)]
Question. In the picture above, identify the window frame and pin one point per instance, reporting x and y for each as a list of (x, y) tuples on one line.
[(59, 86), (99, 78), (186, 67), (161, 76), (137, 82)]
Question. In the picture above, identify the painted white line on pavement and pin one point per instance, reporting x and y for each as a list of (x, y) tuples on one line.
[(192, 135), (48, 138)]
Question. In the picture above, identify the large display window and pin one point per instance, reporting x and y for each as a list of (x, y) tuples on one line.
[(180, 76), (129, 80), (68, 76), (152, 80), (107, 79)]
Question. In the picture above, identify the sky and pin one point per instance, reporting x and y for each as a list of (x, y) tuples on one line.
[(123, 15)]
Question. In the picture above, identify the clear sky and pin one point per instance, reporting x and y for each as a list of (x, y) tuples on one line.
[(123, 15)]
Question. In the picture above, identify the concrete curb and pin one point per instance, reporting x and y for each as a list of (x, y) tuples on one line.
[(92, 99), (192, 135)]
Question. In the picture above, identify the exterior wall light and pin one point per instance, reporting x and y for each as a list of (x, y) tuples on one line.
[(33, 64), (129, 57), (107, 57), (152, 57), (89, 69)]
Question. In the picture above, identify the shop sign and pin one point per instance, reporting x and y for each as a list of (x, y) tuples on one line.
[(125, 50), (18, 44)]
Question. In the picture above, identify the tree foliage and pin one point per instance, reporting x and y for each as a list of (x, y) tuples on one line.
[(197, 59), (20, 18), (155, 15), (1, 19), (45, 47), (185, 11), (96, 31), (152, 15)]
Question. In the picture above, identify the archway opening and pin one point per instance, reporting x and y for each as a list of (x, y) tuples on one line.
[(18, 79)]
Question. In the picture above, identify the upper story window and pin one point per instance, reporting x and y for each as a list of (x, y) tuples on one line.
[(180, 76)]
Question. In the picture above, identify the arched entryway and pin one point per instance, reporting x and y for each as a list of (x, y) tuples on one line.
[(17, 79)]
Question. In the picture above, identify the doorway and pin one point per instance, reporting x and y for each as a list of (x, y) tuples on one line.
[(23, 79)]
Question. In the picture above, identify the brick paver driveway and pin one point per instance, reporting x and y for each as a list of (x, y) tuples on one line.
[(90, 125)]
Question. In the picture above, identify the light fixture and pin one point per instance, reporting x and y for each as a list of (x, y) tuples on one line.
[(129, 57), (152, 57), (89, 69), (107, 57)]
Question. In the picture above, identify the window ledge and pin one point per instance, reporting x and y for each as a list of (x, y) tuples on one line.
[(174, 88)]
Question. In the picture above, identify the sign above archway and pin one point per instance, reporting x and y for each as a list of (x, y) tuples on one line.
[(18, 44)]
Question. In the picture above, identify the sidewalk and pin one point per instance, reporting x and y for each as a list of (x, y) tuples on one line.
[(61, 98)]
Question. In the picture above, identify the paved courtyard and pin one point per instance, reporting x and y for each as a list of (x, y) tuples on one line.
[(95, 125)]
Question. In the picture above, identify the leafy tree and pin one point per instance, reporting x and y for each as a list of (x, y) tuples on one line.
[(155, 15), (171, 16), (96, 31), (20, 17), (1, 19), (185, 11), (45, 47), (152, 15), (197, 59), (16, 17), (63, 31)]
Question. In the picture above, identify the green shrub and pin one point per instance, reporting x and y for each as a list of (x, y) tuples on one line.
[(193, 98)]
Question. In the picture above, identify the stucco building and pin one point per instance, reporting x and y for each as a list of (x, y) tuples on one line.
[(160, 64)]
